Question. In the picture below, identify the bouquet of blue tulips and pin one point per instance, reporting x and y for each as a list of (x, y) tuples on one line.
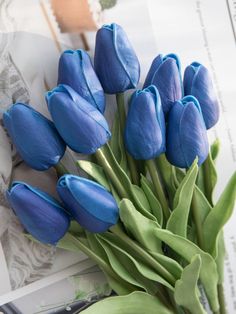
[(145, 212)]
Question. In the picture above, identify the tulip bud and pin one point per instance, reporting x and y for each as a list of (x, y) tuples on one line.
[(145, 125), (89, 203), (40, 214), (76, 70), (115, 61), (34, 136), (197, 82), (186, 133), (82, 126), (165, 74)]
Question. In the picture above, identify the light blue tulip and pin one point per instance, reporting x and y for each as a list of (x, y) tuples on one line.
[(115, 61), (165, 74), (40, 214), (34, 136), (186, 133), (145, 125), (89, 203), (83, 127), (76, 70), (197, 82)]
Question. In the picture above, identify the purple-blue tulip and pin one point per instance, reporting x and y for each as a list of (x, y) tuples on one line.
[(83, 127), (165, 74), (34, 136), (145, 125), (89, 203), (76, 70), (40, 214), (186, 133), (197, 82), (115, 61)]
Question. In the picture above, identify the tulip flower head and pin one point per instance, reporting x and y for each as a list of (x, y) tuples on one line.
[(34, 136), (115, 61), (197, 82), (82, 126), (145, 125), (186, 134), (89, 203), (165, 74), (40, 214), (76, 70)]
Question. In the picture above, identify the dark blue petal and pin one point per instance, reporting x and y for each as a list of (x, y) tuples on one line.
[(154, 66), (34, 136), (88, 202), (186, 134), (82, 126), (202, 89), (115, 61), (167, 79), (76, 70), (145, 125), (40, 214)]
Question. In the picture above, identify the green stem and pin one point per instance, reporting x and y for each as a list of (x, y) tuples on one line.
[(143, 255), (122, 118), (158, 187), (102, 160), (221, 298), (60, 169), (207, 179), (101, 263), (197, 221)]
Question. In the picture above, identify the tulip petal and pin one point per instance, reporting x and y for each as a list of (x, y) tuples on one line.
[(115, 61), (82, 126), (202, 88), (88, 202), (34, 136), (76, 70), (165, 75), (145, 125), (40, 214)]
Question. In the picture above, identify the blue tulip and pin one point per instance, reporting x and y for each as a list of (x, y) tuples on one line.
[(34, 136), (197, 82), (186, 133), (82, 126), (76, 70), (115, 61), (165, 74), (91, 205), (145, 125), (40, 214)]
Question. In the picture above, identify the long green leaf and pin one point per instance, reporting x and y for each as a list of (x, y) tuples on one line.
[(178, 220), (215, 149), (153, 201), (186, 292), (134, 303), (135, 270), (94, 171), (219, 215), (185, 248)]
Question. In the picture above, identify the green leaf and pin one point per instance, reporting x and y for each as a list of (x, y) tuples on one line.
[(220, 256), (210, 177), (94, 171), (142, 234), (117, 144), (130, 268), (185, 248), (153, 201), (75, 228), (178, 220), (186, 292), (204, 206), (134, 303), (215, 149), (219, 215), (66, 244)]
